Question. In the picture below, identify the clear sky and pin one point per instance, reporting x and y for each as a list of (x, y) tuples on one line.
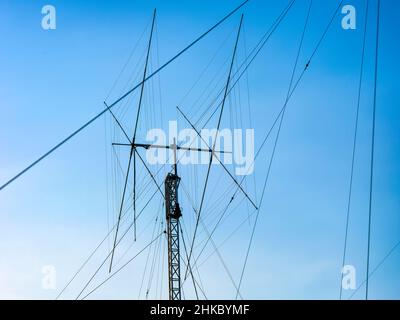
[(52, 81)]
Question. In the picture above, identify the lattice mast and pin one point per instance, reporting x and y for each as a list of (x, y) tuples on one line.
[(173, 213)]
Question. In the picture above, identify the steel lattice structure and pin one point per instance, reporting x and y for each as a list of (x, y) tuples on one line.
[(173, 213)]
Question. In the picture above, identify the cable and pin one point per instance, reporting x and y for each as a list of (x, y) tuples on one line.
[(354, 145), (123, 266), (216, 250), (264, 39), (99, 245), (133, 141), (189, 266), (282, 111), (228, 237), (372, 147), (128, 60), (214, 156), (120, 99), (147, 258), (391, 251), (215, 141), (120, 210)]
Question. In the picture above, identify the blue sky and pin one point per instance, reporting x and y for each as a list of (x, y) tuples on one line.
[(53, 81)]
